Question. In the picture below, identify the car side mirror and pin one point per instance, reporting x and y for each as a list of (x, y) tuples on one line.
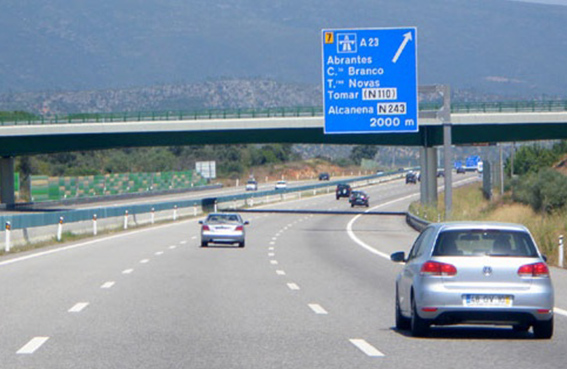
[(398, 257), (246, 222), (200, 222), (544, 257)]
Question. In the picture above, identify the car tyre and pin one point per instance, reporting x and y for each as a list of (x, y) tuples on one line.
[(204, 244), (402, 323), (241, 244), (543, 329), (419, 326)]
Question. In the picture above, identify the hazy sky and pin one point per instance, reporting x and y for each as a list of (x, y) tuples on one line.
[(554, 2)]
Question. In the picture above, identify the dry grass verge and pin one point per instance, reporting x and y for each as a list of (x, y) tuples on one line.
[(469, 204)]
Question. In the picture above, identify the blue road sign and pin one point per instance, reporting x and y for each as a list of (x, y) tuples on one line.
[(370, 80)]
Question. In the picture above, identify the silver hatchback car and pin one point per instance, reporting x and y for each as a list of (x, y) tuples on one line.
[(474, 273)]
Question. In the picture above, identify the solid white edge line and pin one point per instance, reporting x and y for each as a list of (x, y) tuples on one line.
[(353, 237), (32, 345), (367, 348), (78, 307), (317, 309), (560, 311)]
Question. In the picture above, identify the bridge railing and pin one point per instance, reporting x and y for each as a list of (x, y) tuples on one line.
[(203, 114)]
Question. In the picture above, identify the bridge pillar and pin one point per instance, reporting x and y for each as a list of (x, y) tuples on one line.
[(7, 191), (428, 184)]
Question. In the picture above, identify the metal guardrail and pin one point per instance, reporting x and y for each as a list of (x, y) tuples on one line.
[(204, 114)]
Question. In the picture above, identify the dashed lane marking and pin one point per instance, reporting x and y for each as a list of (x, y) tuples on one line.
[(32, 345), (367, 348), (318, 309), (108, 284), (80, 306), (293, 286)]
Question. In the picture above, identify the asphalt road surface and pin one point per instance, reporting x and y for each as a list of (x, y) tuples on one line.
[(307, 291)]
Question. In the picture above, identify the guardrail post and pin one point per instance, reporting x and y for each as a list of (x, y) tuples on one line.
[(561, 251), (60, 229), (153, 216), (95, 230), (126, 219), (216, 208), (174, 212), (194, 211), (8, 231)]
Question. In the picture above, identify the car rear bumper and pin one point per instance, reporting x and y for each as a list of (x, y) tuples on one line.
[(448, 307), (222, 238)]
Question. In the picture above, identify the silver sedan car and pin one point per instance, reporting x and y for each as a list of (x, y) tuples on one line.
[(474, 273), (226, 228)]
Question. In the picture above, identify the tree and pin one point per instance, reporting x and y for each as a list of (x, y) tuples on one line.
[(360, 152)]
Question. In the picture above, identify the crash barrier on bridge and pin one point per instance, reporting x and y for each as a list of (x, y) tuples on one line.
[(456, 107), (44, 188), (43, 226)]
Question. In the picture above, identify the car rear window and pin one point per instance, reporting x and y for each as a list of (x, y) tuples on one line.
[(484, 242), (223, 218)]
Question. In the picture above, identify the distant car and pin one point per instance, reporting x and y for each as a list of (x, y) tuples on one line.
[(359, 198), (251, 185), (342, 190), (461, 170), (281, 185), (411, 177), (440, 173), (474, 273), (324, 177), (225, 228)]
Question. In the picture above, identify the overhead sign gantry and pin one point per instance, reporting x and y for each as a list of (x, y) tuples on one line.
[(370, 80)]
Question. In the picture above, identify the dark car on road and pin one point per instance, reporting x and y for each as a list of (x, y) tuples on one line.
[(343, 190), (461, 170), (324, 177), (411, 177), (359, 198)]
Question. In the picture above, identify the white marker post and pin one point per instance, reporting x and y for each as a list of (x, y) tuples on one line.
[(561, 251), (94, 225), (126, 219), (60, 229), (174, 212), (8, 231), (153, 215)]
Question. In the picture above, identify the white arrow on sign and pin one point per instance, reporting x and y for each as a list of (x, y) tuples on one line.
[(407, 37)]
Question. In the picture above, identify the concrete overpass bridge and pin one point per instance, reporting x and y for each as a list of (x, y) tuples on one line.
[(469, 124)]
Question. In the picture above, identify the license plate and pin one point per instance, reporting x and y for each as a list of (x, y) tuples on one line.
[(487, 300)]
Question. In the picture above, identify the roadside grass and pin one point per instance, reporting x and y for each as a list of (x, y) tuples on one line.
[(470, 204)]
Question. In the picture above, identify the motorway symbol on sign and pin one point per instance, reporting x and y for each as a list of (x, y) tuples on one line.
[(370, 80)]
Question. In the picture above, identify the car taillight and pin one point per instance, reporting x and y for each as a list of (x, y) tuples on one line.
[(534, 270), (206, 227), (239, 228), (437, 268)]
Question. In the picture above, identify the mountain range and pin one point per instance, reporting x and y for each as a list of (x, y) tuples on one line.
[(493, 46)]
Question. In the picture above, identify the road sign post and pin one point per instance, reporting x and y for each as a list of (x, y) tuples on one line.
[(370, 80)]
